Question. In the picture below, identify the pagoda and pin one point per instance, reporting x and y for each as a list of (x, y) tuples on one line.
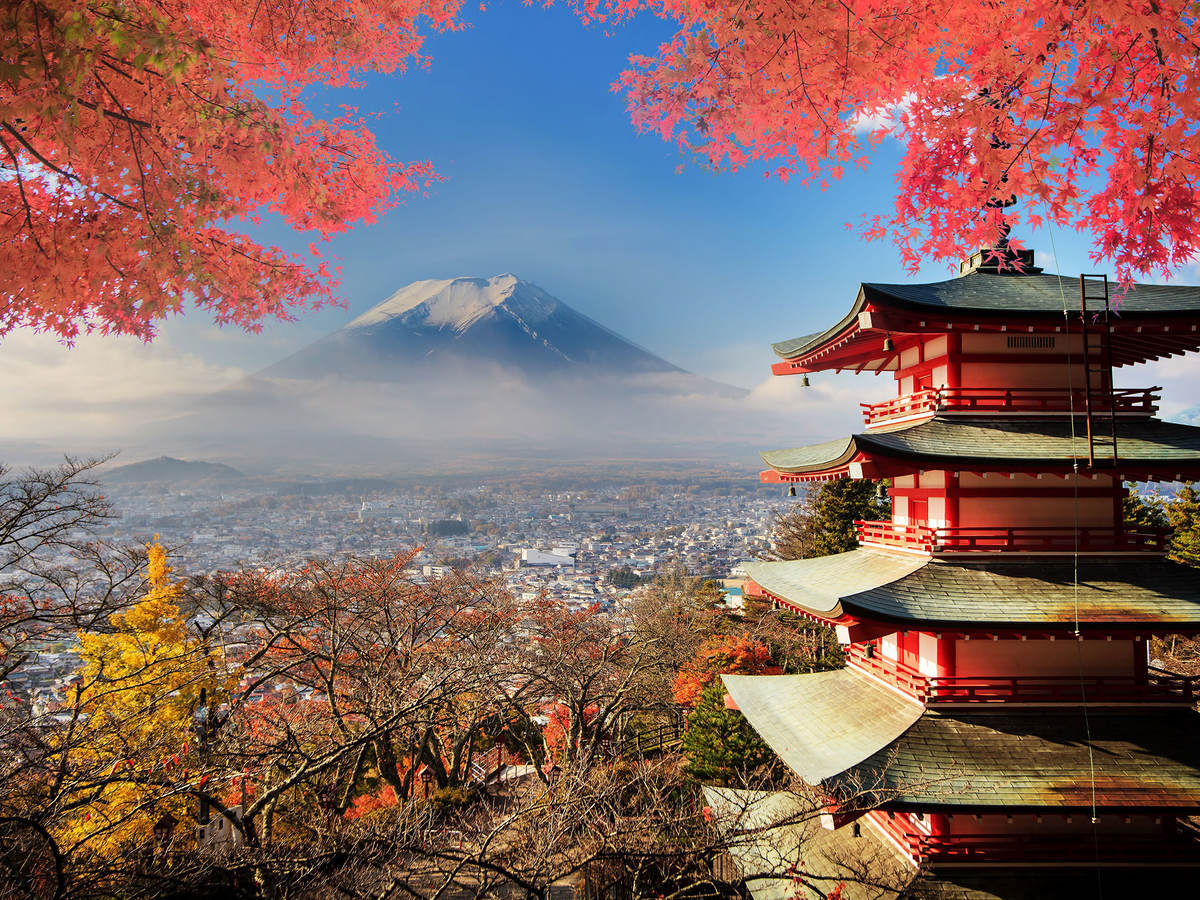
[(998, 704)]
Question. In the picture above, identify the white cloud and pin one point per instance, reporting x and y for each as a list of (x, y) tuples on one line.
[(1179, 377), (887, 119), (96, 394)]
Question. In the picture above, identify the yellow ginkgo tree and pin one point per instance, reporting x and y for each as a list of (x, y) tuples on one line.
[(142, 685)]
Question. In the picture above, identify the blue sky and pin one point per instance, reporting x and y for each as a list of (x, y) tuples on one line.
[(547, 178)]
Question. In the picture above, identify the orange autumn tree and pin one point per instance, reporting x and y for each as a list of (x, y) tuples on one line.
[(726, 654), (137, 137), (1082, 113)]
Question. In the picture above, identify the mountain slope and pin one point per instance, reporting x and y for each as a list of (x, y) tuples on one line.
[(461, 322)]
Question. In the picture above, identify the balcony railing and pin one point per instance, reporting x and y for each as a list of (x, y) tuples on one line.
[(1155, 687), (908, 679), (982, 848), (1025, 401), (999, 539)]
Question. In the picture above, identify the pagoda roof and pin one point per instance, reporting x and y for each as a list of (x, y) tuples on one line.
[(999, 443), (773, 834), (1035, 759), (1009, 882), (992, 301), (996, 590), (822, 724)]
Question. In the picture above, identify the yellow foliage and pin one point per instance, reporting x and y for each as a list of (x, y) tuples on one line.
[(141, 689)]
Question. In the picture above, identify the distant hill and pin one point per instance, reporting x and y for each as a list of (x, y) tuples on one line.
[(168, 468), (462, 322)]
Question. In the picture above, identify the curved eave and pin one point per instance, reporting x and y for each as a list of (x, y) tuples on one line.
[(876, 591), (1031, 760), (1151, 322), (819, 586), (806, 344), (822, 724), (1147, 449), (813, 458)]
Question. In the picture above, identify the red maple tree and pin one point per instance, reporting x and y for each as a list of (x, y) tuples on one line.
[(726, 654), (137, 138), (1084, 113)]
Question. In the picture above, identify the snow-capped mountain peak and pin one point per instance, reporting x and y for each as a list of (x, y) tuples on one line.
[(469, 323), (459, 303)]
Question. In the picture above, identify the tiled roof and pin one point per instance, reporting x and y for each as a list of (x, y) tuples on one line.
[(812, 457), (991, 591), (1034, 760), (823, 723), (986, 292), (987, 295), (820, 584), (953, 440), (776, 833), (1040, 882)]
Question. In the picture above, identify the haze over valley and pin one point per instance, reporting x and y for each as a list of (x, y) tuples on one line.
[(466, 374)]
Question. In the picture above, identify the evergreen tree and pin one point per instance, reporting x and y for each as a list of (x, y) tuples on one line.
[(1145, 512), (823, 524), (721, 746), (1182, 513)]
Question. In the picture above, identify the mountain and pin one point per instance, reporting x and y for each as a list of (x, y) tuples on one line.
[(168, 468), (471, 374), (462, 324)]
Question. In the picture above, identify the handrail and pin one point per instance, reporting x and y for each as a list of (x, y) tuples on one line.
[(903, 676), (1027, 846), (1026, 400), (997, 538), (1153, 687)]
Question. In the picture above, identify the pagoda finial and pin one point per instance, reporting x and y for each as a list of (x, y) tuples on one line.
[(1002, 259)]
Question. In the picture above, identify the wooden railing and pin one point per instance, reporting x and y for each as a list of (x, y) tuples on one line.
[(1156, 686), (868, 658), (1056, 848), (654, 740), (1059, 689), (999, 539), (1028, 401)]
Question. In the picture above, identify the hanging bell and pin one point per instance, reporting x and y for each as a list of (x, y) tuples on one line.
[(804, 381), (888, 346), (791, 490)]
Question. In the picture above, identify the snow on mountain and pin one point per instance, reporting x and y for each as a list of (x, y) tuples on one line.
[(469, 323), (461, 302)]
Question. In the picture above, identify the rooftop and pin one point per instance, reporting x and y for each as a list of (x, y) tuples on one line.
[(989, 302), (1034, 760), (823, 723), (992, 591), (1000, 444), (845, 733)]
